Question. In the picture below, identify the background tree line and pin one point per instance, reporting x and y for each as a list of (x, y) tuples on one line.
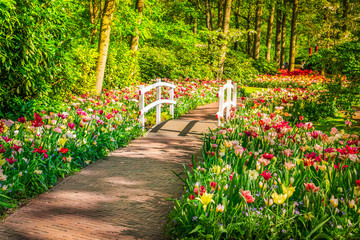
[(49, 49)]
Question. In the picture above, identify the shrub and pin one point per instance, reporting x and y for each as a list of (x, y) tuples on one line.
[(342, 59), (239, 68), (265, 67)]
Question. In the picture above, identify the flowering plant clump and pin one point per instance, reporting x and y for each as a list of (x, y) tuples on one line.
[(275, 179), (35, 152), (295, 104), (286, 79)]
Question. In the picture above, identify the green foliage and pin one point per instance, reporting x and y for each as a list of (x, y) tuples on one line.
[(238, 67), (122, 67), (265, 67), (345, 92), (38, 57), (342, 59)]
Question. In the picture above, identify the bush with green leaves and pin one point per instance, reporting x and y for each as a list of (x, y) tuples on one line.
[(342, 59), (239, 67)]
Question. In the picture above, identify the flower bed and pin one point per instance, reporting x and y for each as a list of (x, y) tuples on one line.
[(286, 79), (296, 103), (265, 178), (34, 153)]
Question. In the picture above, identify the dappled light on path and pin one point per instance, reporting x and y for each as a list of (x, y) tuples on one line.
[(122, 197)]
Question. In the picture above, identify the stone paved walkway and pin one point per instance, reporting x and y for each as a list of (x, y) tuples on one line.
[(122, 197)]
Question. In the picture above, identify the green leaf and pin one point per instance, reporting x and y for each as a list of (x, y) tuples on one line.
[(318, 227), (196, 229)]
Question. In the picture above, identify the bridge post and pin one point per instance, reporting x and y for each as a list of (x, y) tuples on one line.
[(172, 99), (235, 95), (158, 98), (228, 99), (221, 104), (141, 105)]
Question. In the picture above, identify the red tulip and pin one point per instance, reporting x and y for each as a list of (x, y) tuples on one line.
[(266, 175), (64, 150), (11, 160)]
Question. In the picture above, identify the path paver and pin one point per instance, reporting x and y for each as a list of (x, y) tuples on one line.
[(122, 197)]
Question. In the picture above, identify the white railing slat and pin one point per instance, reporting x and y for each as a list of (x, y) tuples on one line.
[(154, 104), (157, 84), (230, 100), (158, 102)]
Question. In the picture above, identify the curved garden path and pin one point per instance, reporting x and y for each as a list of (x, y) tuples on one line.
[(122, 197)]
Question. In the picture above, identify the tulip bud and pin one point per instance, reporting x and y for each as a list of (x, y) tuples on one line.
[(258, 166), (327, 185), (352, 204), (306, 200)]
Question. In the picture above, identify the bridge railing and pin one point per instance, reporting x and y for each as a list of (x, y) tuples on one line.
[(144, 109), (230, 100)]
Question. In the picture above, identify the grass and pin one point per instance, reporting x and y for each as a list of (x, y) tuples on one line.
[(338, 122), (250, 90)]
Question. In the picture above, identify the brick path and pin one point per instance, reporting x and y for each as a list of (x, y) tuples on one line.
[(122, 197)]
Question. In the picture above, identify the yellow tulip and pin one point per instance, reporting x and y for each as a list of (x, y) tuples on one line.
[(2, 160), (279, 198), (334, 202), (352, 204), (288, 190), (62, 141), (357, 191), (216, 169), (205, 199)]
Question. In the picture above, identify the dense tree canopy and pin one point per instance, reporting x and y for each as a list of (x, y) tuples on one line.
[(49, 49)]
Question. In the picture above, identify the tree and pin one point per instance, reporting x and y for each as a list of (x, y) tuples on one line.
[(283, 36), (226, 26), (237, 21), (248, 27), (278, 34), (258, 17), (104, 41), (293, 35), (139, 7), (221, 4), (269, 30), (94, 18), (345, 14), (208, 13)]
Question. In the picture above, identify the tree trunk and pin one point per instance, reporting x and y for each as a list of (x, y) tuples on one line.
[(258, 29), (220, 14), (135, 37), (237, 22), (209, 24), (269, 30), (248, 27), (94, 16), (345, 14), (293, 35), (195, 26), (226, 26), (283, 37), (104, 41), (278, 36)]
